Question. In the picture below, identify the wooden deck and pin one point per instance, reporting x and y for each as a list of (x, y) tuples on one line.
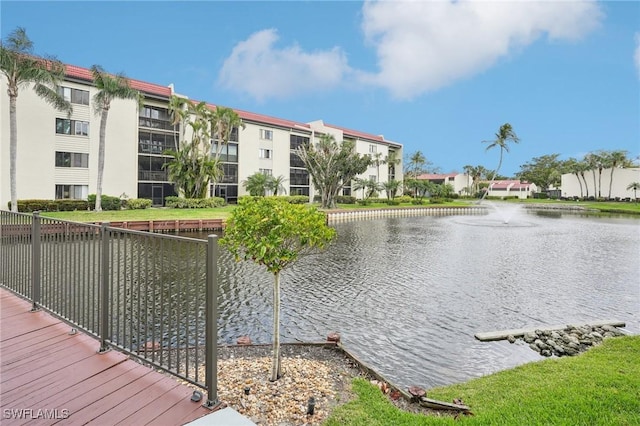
[(49, 376)]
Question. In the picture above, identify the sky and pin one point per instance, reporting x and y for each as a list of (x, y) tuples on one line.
[(440, 77)]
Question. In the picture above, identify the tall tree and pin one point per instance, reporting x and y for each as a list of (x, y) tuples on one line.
[(543, 171), (593, 161), (179, 113), (392, 160), (223, 122), (377, 160), (192, 167), (22, 69), (109, 87), (331, 166), (616, 159), (574, 166), (274, 233), (416, 164), (502, 138)]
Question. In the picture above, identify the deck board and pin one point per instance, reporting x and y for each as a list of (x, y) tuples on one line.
[(42, 366)]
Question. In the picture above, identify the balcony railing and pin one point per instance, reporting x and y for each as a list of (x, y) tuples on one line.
[(152, 296)]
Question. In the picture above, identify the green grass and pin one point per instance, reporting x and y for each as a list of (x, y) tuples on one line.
[(599, 387), (224, 212), (146, 214)]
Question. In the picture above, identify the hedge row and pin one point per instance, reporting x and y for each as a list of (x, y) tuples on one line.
[(292, 199), (194, 203), (28, 206)]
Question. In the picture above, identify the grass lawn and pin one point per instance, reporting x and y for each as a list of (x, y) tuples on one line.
[(146, 214), (224, 212), (599, 387)]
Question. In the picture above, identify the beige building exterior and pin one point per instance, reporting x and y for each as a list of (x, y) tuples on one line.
[(460, 182), (596, 184), (58, 155), (511, 188)]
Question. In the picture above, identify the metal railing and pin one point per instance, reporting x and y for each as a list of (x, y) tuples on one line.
[(152, 296)]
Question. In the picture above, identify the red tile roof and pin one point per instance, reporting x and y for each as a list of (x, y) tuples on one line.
[(428, 176), (357, 134), (85, 74), (513, 184)]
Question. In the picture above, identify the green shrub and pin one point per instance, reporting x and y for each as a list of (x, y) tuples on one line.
[(71, 205), (28, 206), (417, 202), (137, 204), (405, 199), (317, 198), (107, 202), (297, 199), (194, 203), (394, 202), (345, 199), (364, 202), (436, 200)]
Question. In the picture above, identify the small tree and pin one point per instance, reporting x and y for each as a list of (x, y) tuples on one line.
[(256, 184), (274, 233)]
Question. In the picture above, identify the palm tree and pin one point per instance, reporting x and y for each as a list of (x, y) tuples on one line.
[(592, 161), (256, 184), (504, 135), (359, 183), (179, 115), (223, 121), (276, 184), (392, 161), (574, 166), (22, 69), (417, 160), (377, 160), (109, 88), (634, 186), (616, 159), (391, 188)]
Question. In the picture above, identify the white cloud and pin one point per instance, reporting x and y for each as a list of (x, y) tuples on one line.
[(636, 54), (260, 69), (425, 45)]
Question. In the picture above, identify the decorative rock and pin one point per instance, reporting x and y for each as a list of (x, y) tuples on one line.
[(151, 346), (416, 392), (511, 339), (244, 340), (333, 337)]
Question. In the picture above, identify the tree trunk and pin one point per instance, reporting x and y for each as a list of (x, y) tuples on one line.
[(275, 367), (586, 187), (611, 181), (13, 151), (101, 149), (580, 183), (599, 183)]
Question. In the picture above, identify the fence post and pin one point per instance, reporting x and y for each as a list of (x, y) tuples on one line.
[(211, 348), (104, 289), (35, 262)]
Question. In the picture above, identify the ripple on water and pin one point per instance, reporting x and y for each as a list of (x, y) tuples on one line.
[(408, 295)]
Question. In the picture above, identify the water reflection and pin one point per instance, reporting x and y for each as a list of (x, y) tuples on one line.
[(408, 294)]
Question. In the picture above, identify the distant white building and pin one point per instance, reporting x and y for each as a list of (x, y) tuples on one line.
[(511, 188), (600, 185), (459, 181)]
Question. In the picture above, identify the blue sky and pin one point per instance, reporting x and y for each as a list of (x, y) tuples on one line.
[(436, 76)]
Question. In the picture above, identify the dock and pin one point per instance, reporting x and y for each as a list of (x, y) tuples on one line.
[(519, 332)]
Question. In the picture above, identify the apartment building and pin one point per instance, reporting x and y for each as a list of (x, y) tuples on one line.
[(58, 155)]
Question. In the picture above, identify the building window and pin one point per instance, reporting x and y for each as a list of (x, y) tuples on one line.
[(298, 177), (295, 141), (75, 96), (72, 159), (228, 152), (155, 118), (265, 153), (373, 149), (230, 173), (72, 127), (373, 178), (76, 192), (266, 134), (155, 143), (267, 172)]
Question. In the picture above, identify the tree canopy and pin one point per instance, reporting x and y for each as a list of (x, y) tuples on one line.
[(274, 233), (332, 165)]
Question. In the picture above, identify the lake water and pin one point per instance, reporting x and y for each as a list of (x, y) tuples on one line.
[(407, 295)]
